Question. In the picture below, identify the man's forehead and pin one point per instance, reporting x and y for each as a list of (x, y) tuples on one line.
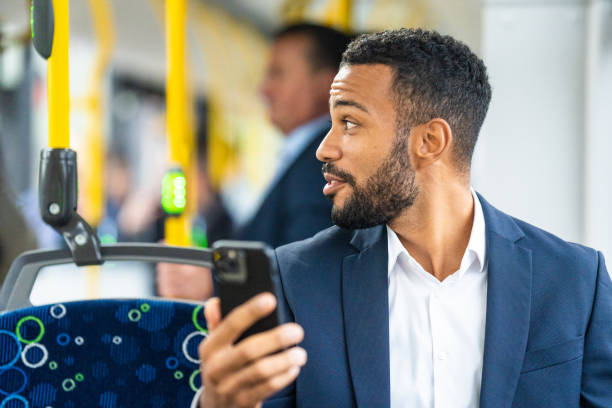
[(364, 71), (291, 41), (364, 81), (290, 46)]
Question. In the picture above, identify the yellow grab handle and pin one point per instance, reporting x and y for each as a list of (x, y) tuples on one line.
[(177, 228), (58, 85), (176, 97), (338, 14)]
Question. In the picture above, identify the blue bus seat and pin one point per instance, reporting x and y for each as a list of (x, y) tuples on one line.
[(101, 353)]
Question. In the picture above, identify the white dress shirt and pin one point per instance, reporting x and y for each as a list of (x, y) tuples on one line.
[(436, 329)]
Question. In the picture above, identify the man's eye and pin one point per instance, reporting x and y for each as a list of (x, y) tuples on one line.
[(348, 125)]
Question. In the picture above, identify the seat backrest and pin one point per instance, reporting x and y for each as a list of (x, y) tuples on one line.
[(101, 353)]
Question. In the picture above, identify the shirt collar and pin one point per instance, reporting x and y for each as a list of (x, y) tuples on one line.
[(476, 247), (477, 244)]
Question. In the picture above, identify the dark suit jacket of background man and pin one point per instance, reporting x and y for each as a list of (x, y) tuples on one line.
[(295, 208), (548, 336)]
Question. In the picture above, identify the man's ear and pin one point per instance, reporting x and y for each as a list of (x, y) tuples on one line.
[(430, 141)]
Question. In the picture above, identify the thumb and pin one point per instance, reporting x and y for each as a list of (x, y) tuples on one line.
[(212, 313)]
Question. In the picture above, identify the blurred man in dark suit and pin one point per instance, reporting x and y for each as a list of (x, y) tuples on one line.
[(303, 61)]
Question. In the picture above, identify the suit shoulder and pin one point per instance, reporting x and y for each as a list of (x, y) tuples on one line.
[(329, 240), (547, 249), (544, 243)]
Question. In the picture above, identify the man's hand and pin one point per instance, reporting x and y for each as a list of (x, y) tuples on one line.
[(244, 374), (184, 281)]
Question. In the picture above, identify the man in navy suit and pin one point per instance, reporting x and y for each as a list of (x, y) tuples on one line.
[(423, 294), (304, 59), (303, 62)]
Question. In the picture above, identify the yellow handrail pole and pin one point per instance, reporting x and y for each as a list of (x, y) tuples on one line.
[(57, 197), (338, 14), (58, 84), (94, 177), (294, 11), (176, 228), (344, 14), (105, 35)]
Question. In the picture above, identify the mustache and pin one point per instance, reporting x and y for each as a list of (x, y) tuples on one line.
[(329, 168)]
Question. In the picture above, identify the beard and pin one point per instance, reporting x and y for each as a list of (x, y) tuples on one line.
[(385, 195)]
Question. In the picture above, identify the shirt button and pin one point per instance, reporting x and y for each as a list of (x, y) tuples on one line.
[(442, 355)]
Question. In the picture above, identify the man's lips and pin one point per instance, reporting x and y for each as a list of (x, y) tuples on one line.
[(333, 184)]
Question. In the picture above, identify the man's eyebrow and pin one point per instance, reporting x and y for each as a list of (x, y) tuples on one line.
[(341, 102)]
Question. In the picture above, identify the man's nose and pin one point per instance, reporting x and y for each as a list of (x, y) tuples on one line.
[(329, 150)]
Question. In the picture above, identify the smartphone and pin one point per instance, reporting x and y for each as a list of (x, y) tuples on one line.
[(241, 270)]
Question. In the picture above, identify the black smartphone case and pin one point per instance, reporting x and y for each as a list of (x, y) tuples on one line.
[(261, 276)]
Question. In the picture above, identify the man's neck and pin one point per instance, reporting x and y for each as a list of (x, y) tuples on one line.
[(436, 229)]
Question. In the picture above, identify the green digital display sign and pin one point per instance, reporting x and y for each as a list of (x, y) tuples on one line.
[(174, 192)]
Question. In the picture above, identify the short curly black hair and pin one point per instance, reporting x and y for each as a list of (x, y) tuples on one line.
[(435, 76)]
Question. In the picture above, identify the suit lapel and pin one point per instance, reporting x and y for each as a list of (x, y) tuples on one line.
[(366, 317), (508, 309)]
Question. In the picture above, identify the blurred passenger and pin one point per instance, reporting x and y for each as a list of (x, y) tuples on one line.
[(15, 235), (303, 61), (214, 217), (140, 216), (117, 188)]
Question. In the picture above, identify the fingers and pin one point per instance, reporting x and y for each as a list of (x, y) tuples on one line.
[(251, 396), (264, 369), (246, 373), (240, 319), (212, 313), (255, 347), (262, 344), (248, 387)]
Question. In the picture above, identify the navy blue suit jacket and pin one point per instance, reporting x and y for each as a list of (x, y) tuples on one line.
[(295, 208), (548, 336)]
